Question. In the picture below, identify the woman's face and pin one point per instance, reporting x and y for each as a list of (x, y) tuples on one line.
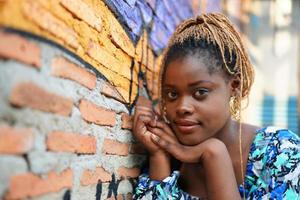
[(196, 102)]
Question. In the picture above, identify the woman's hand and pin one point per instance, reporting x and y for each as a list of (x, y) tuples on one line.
[(164, 137), (212, 154), (144, 117)]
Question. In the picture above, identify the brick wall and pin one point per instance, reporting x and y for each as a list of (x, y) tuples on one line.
[(69, 74), (63, 133)]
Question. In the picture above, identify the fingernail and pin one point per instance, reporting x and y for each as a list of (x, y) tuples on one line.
[(145, 131), (155, 137)]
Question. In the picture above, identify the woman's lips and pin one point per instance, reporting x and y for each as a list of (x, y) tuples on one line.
[(185, 126)]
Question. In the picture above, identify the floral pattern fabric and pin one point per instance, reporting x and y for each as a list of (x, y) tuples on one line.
[(273, 171)]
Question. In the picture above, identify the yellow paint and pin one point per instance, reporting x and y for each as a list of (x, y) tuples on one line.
[(141, 54), (85, 12), (86, 28)]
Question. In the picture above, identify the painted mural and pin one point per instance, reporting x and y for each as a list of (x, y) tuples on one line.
[(121, 39)]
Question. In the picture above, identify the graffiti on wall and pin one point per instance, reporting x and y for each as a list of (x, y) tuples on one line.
[(121, 39)]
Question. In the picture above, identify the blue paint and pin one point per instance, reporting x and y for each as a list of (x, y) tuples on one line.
[(146, 12), (128, 16), (131, 3), (159, 35), (164, 16), (152, 3), (136, 22), (182, 7), (161, 10), (173, 10), (158, 17)]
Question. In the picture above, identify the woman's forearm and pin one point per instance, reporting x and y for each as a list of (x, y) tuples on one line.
[(159, 166), (219, 174)]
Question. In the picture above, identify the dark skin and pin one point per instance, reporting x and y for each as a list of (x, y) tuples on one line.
[(200, 134)]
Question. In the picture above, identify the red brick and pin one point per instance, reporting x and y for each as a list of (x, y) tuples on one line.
[(70, 142), (129, 172), (15, 140), (127, 121), (61, 67), (111, 92), (97, 114), (85, 12), (30, 185), (137, 148), (29, 94), (90, 177), (115, 148), (16, 47)]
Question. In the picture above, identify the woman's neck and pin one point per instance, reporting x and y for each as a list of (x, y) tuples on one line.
[(229, 133)]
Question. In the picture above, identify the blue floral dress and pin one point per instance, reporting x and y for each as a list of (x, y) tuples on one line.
[(273, 171)]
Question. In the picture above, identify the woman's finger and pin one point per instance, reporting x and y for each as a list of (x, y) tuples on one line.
[(162, 125), (143, 108), (143, 105), (170, 147), (180, 152), (139, 112), (140, 125), (162, 134)]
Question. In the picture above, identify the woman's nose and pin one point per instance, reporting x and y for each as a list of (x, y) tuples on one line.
[(184, 107)]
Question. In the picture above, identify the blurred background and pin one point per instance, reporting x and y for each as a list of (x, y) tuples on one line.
[(271, 31)]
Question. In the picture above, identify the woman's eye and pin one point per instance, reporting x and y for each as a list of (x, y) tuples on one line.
[(200, 93), (171, 95)]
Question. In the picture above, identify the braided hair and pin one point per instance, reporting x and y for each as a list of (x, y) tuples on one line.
[(213, 38)]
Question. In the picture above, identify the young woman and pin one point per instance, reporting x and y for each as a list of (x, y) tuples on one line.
[(205, 74)]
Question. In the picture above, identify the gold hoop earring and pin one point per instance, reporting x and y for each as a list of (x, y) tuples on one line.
[(235, 107)]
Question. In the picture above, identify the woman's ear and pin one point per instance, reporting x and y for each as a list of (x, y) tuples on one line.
[(235, 86)]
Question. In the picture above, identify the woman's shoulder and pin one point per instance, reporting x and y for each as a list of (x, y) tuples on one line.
[(274, 163), (276, 135), (271, 143)]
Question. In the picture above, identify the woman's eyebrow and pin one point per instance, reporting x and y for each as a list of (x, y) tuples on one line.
[(200, 82), (191, 84)]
